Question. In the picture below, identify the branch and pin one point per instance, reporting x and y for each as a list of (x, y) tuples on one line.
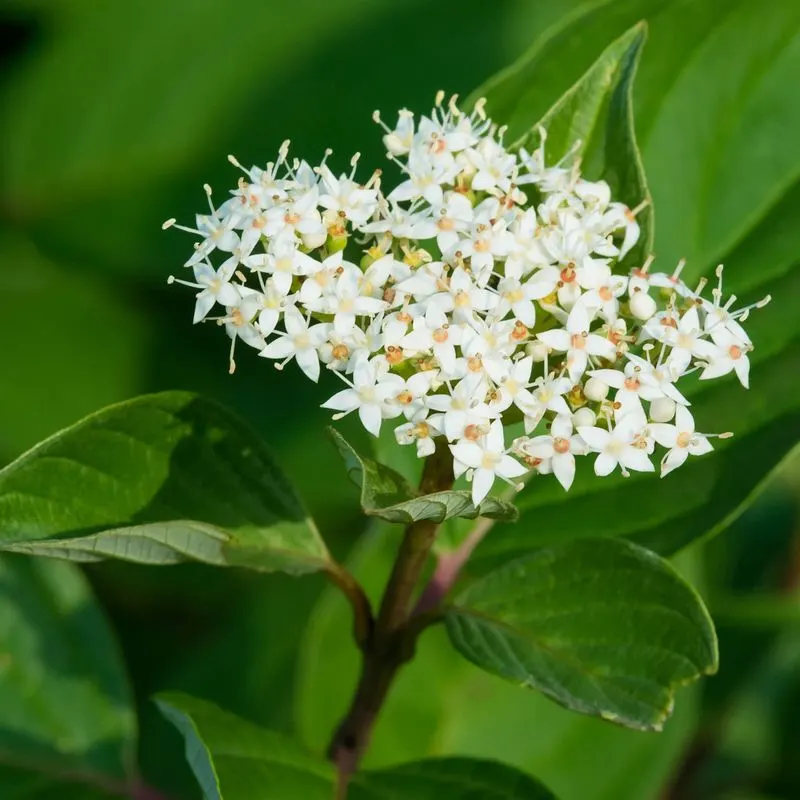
[(391, 641)]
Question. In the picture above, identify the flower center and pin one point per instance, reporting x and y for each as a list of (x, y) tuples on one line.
[(394, 355), (684, 439), (735, 352), (520, 332), (578, 341), (561, 445), (489, 460), (568, 273)]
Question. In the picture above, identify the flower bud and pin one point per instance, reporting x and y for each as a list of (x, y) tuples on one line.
[(336, 243), (662, 409), (584, 416), (595, 389), (642, 306)]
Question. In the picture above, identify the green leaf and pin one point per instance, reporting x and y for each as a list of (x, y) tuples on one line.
[(443, 705), (66, 704), (160, 479), (601, 626), (236, 760), (714, 143), (387, 495), (593, 120), (712, 133)]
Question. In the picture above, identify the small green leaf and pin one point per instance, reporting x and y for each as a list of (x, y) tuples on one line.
[(66, 705), (388, 495), (157, 480), (601, 626), (593, 120), (236, 760)]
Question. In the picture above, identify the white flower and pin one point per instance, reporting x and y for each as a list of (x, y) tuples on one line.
[(399, 140), (493, 166), (577, 342), (515, 387), (681, 438), (367, 394), (493, 345), (461, 297), (686, 340), (457, 301), (631, 389), (729, 354), (344, 301), (283, 261), (452, 217), (547, 396), (488, 459), (421, 432), (215, 287), (464, 406), (626, 445), (299, 215), (559, 447), (439, 339), (300, 342), (345, 198), (410, 397)]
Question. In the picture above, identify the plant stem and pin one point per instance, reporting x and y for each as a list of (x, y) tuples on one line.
[(363, 620), (391, 641)]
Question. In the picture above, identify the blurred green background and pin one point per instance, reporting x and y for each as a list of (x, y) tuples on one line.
[(112, 116)]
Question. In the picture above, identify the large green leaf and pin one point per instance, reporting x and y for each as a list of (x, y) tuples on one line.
[(387, 495), (66, 706), (236, 760), (601, 626), (594, 121), (712, 133), (714, 149), (157, 480), (442, 705)]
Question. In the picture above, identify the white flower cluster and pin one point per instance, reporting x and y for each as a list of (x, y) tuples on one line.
[(483, 290)]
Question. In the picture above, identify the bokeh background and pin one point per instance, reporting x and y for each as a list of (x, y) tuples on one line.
[(112, 116)]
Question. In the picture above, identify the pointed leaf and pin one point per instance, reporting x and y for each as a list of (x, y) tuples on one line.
[(236, 760), (593, 120), (601, 626), (388, 495), (157, 480), (66, 705)]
